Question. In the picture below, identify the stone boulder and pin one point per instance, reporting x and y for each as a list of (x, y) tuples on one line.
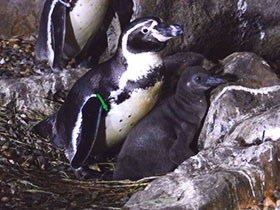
[(41, 94), (247, 69), (255, 91), (238, 165), (217, 178), (19, 17)]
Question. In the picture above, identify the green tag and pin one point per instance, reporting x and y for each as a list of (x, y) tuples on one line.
[(102, 101)]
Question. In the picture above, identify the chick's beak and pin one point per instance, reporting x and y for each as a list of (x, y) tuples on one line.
[(214, 81)]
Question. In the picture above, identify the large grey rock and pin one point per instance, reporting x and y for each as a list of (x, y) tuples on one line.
[(248, 70), (234, 104), (256, 128), (217, 178), (217, 28), (238, 165), (40, 94)]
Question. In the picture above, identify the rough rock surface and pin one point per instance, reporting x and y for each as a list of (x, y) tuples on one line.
[(218, 28), (238, 165), (216, 178), (260, 92), (248, 70), (19, 17), (237, 106), (38, 93)]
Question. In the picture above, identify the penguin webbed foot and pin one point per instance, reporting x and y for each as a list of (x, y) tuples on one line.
[(86, 173), (105, 171)]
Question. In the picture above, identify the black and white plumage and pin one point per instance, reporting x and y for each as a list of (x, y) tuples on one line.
[(129, 84), (68, 28), (161, 140)]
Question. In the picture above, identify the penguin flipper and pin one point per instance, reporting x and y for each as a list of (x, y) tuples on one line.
[(91, 115), (58, 19), (180, 150), (51, 35), (41, 50)]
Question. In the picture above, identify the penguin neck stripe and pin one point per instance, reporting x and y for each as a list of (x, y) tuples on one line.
[(126, 52), (138, 64), (104, 105)]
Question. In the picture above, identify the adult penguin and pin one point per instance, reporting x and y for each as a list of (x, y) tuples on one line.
[(77, 29), (107, 101), (161, 140)]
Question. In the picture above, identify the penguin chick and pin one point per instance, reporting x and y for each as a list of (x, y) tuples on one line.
[(161, 140), (107, 101)]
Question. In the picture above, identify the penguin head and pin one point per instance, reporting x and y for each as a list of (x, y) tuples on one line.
[(148, 34), (197, 80)]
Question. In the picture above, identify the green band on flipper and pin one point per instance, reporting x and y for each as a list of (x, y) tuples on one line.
[(102, 101)]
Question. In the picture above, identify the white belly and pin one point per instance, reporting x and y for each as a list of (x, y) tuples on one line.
[(86, 18), (122, 117)]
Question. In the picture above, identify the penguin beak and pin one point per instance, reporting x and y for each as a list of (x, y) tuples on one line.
[(163, 32), (214, 81)]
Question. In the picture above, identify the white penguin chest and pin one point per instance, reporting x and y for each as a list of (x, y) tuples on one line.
[(122, 117), (86, 18)]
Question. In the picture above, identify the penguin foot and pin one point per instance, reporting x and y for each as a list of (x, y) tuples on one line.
[(56, 69), (87, 174)]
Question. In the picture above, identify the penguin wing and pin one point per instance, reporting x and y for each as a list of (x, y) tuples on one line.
[(58, 19), (51, 35), (91, 115), (41, 51), (180, 150)]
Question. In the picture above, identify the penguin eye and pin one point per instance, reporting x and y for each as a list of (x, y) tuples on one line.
[(197, 78), (144, 30)]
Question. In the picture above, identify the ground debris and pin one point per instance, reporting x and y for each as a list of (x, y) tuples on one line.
[(17, 58), (35, 174)]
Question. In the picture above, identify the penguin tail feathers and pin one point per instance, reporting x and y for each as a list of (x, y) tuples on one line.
[(45, 127)]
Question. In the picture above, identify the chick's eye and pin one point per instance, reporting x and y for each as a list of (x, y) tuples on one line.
[(144, 30), (197, 78)]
